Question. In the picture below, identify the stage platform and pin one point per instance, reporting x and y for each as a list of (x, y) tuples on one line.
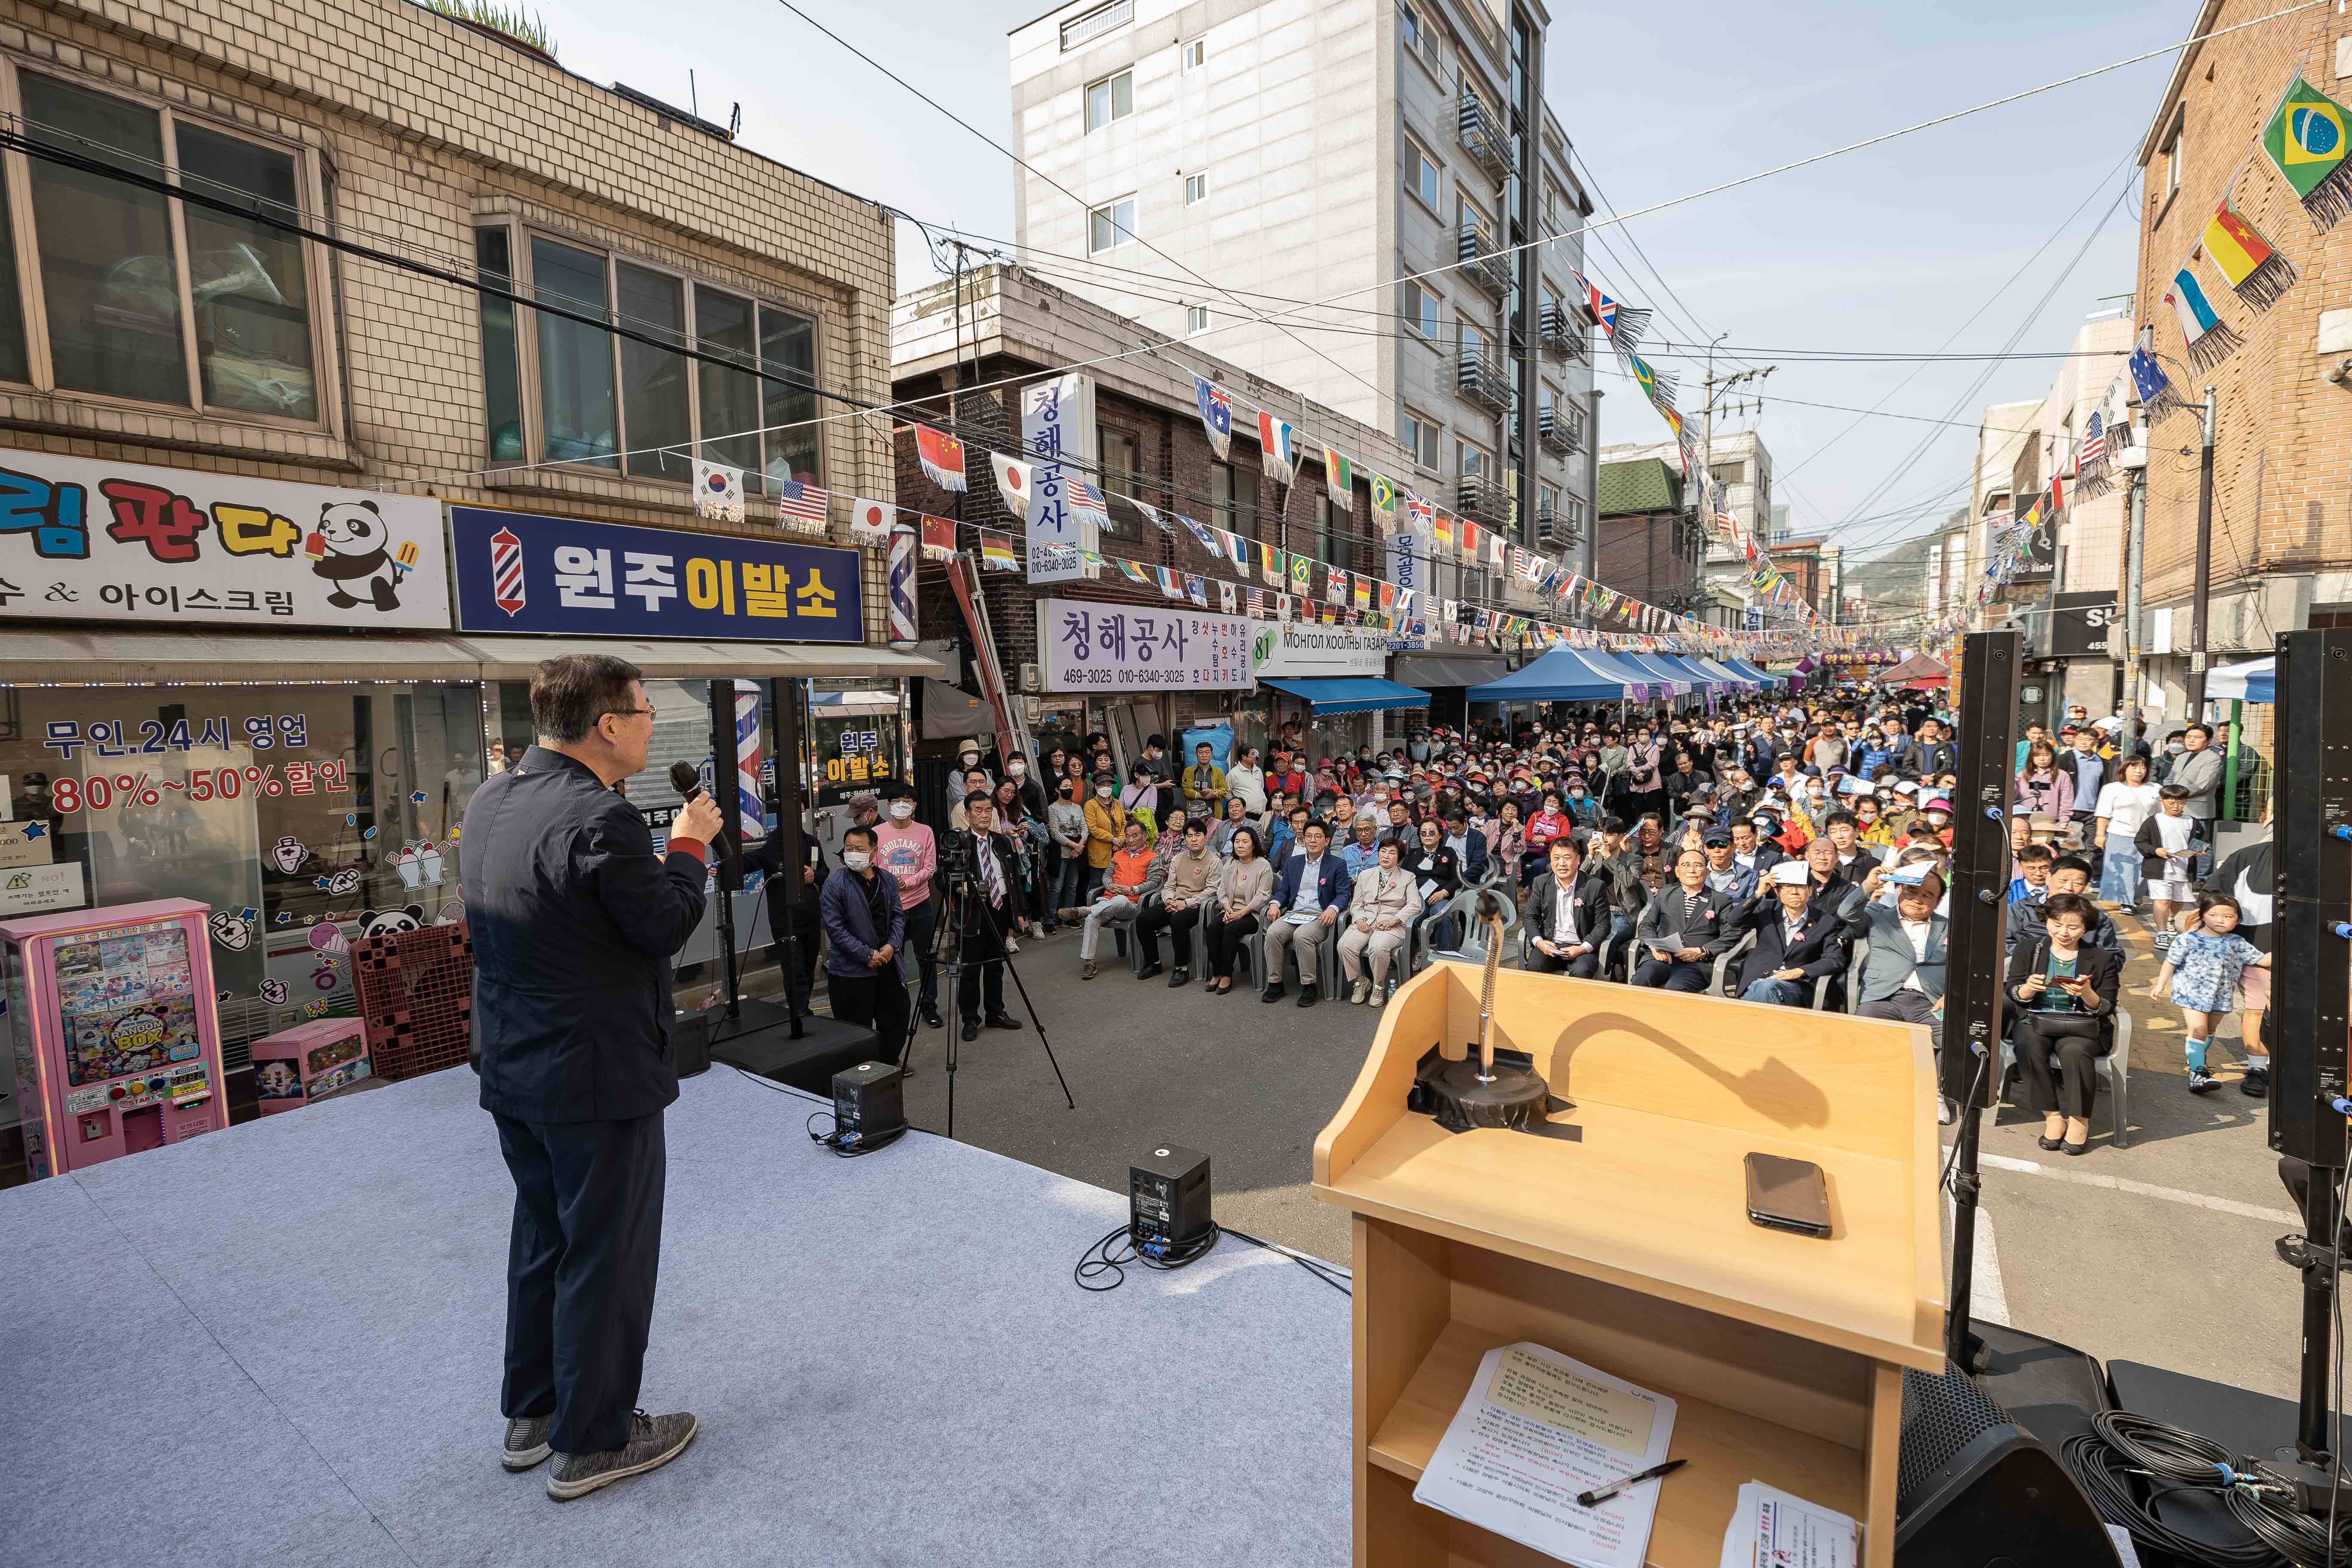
[(280, 1346)]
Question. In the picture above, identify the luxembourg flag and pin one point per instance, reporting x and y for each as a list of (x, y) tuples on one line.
[(1279, 442)]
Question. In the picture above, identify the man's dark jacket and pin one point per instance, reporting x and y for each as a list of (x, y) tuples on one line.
[(574, 919)]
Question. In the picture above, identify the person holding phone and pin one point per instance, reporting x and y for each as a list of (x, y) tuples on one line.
[(2064, 993)]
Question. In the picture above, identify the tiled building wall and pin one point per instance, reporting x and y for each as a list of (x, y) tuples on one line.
[(423, 126)]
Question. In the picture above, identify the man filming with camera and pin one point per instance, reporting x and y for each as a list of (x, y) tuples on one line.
[(983, 869)]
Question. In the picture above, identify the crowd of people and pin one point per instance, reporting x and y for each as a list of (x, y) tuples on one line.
[(1795, 852)]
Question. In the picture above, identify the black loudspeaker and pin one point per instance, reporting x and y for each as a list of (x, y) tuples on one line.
[(1168, 1195), (1976, 944), (1973, 1490), (2313, 800)]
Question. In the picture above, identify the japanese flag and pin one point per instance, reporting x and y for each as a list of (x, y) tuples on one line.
[(871, 521), (1014, 482)]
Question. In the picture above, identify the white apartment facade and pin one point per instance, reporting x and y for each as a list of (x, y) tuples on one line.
[(1197, 167)]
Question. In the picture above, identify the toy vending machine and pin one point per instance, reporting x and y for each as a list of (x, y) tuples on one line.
[(111, 1023), (308, 1062)]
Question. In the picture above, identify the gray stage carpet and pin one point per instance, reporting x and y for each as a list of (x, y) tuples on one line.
[(280, 1346)]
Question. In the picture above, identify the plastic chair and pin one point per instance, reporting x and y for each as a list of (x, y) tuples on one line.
[(1421, 946), (1327, 970), (1724, 985), (1853, 974), (2115, 1070), (1132, 951)]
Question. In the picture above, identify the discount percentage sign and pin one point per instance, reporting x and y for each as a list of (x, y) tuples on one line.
[(265, 778), (135, 786)]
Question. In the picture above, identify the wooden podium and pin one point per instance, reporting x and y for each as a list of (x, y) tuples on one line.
[(1629, 1248)]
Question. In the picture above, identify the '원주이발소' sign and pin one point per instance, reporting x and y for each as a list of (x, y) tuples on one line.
[(517, 572), (107, 541), (1127, 647)]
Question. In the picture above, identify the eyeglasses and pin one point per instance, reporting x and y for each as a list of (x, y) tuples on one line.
[(631, 712)]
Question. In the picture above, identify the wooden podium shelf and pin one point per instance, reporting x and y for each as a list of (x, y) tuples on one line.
[(1629, 1248)]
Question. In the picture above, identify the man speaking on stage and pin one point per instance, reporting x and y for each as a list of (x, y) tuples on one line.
[(574, 919)]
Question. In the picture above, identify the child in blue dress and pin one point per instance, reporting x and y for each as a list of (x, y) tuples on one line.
[(2203, 968)]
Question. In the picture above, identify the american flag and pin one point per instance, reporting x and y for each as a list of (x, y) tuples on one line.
[(797, 499), (2094, 442), (1087, 502)]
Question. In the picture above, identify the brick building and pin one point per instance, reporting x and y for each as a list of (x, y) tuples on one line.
[(1651, 544), (1146, 442), (2282, 554), (229, 391)]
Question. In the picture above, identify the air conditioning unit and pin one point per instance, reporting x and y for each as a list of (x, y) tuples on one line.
[(1032, 678)]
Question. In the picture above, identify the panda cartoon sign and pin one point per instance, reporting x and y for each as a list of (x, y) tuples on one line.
[(92, 539)]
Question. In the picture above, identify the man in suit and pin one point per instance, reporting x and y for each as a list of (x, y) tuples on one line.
[(1568, 915), (1312, 890), (1796, 941), (1903, 978), (574, 919), (1685, 929), (990, 904)]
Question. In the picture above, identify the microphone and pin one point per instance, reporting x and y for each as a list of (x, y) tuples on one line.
[(687, 779)]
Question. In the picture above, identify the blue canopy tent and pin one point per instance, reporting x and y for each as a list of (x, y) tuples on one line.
[(1336, 694), (2256, 680), (1676, 681), (1732, 679), (1742, 667), (1700, 677), (1637, 684), (1562, 674)]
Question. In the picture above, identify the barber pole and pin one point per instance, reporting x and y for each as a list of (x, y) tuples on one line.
[(506, 572), (750, 806), (902, 586)]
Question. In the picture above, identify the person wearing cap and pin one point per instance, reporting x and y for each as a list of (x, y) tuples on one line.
[(1684, 929), (1205, 783), (1727, 875), (1935, 816), (1797, 942), (1105, 831)]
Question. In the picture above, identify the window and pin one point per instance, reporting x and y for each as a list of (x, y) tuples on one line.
[(1467, 213), (1421, 435), (1411, 28), (1112, 98), (1420, 310), (1196, 54), (1469, 461), (596, 395), (147, 298), (1547, 500), (2175, 149), (1330, 544), (1421, 174), (1474, 339), (1082, 30), (1111, 224), (1119, 464), (1196, 319), (1233, 499), (1196, 188)]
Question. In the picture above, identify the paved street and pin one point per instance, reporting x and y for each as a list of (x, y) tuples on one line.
[(2160, 1252)]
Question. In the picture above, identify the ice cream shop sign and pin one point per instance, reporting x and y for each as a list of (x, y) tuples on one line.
[(89, 539)]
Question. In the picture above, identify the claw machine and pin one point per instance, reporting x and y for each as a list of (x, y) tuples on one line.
[(112, 1025)]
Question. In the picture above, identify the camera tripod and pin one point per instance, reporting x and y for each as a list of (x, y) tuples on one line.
[(953, 886)]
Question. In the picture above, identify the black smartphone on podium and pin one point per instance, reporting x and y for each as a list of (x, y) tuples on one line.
[(1788, 1195)]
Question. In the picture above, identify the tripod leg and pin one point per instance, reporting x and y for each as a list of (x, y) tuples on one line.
[(1032, 1008)]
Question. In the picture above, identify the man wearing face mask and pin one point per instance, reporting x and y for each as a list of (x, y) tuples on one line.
[(907, 850), (864, 931)]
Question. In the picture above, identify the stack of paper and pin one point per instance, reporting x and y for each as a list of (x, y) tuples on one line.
[(1769, 1528), (1539, 1427)]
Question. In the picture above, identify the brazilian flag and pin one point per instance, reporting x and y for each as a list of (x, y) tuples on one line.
[(2306, 139)]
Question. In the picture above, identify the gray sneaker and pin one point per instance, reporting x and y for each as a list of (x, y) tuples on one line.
[(525, 1442), (654, 1441)]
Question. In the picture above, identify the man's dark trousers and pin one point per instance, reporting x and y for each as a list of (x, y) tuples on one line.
[(581, 1265), (877, 999)]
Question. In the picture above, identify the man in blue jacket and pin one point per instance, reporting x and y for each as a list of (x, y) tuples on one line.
[(574, 919), (865, 929), (1309, 893)]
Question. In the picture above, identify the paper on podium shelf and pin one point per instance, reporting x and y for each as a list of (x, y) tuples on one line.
[(1770, 1528), (1537, 1428)]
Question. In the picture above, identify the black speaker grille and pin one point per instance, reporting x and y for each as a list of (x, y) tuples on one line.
[(1941, 1416)]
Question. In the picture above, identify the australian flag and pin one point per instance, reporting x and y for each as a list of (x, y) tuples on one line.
[(1216, 416)]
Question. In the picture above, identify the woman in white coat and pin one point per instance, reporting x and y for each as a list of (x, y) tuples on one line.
[(1380, 917)]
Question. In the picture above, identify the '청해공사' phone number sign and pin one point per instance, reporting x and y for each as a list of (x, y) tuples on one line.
[(1127, 647)]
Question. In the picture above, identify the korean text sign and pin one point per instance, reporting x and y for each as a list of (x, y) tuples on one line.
[(107, 541), (517, 572), (1127, 647)]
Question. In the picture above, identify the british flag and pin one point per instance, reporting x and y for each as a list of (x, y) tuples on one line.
[(800, 503)]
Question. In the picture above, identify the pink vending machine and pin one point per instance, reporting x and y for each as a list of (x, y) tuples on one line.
[(112, 1023)]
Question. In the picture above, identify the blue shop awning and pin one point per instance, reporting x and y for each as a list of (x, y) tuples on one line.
[(1336, 694)]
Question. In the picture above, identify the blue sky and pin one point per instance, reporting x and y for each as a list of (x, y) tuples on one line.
[(1890, 250)]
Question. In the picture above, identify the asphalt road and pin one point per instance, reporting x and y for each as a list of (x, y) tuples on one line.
[(2160, 1252)]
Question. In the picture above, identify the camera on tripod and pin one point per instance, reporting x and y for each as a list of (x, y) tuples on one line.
[(955, 864)]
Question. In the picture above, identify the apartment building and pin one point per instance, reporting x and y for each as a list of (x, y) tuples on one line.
[(2281, 554), (1203, 167), (1742, 464)]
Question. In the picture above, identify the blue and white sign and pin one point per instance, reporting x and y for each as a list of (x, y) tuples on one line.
[(1057, 420), (1410, 565), (518, 571)]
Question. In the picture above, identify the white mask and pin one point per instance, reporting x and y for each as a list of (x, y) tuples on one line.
[(1017, 770), (856, 859), (1103, 794), (901, 809)]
